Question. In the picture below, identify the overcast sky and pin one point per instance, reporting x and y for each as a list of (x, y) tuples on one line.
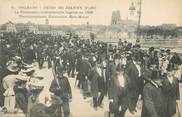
[(154, 12)]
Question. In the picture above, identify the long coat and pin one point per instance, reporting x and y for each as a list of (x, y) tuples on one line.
[(153, 102), (94, 80), (171, 94), (133, 80), (85, 67), (71, 56), (134, 85), (79, 59), (28, 55), (120, 91), (83, 72), (110, 76)]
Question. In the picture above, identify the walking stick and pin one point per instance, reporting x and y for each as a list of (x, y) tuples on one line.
[(75, 82), (77, 76), (178, 109)]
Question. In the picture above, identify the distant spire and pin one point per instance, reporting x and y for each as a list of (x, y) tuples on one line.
[(132, 9)]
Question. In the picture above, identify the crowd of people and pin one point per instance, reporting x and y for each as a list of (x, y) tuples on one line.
[(123, 73)]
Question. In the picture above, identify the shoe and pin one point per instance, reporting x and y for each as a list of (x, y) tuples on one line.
[(132, 112), (84, 97), (101, 106), (73, 76), (95, 108)]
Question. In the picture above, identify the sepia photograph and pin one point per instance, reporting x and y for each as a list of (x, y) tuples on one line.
[(90, 58)]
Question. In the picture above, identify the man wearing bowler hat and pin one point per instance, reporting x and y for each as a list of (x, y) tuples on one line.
[(133, 71), (153, 98)]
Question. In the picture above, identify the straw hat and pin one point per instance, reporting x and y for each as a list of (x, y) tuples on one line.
[(27, 70), (12, 66)]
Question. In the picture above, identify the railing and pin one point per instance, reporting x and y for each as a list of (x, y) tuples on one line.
[(175, 44)]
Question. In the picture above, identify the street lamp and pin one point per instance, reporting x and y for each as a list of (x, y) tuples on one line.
[(132, 9)]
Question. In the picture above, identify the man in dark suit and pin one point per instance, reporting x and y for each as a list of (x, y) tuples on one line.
[(95, 77), (153, 99), (40, 56), (84, 70), (133, 71), (72, 61), (110, 75), (29, 55), (60, 86), (170, 90), (119, 104), (102, 81)]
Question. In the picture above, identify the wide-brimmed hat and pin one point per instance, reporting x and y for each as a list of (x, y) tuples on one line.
[(36, 88), (26, 66), (12, 66), (16, 58), (27, 70)]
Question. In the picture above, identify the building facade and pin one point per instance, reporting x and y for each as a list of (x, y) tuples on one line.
[(32, 28), (10, 27)]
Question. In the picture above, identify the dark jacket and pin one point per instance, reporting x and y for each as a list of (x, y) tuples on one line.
[(78, 64), (171, 94), (94, 80), (40, 52), (110, 76), (85, 67), (64, 87), (119, 93), (110, 71), (147, 76), (134, 85), (21, 95), (71, 57), (133, 80), (29, 55), (153, 102)]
